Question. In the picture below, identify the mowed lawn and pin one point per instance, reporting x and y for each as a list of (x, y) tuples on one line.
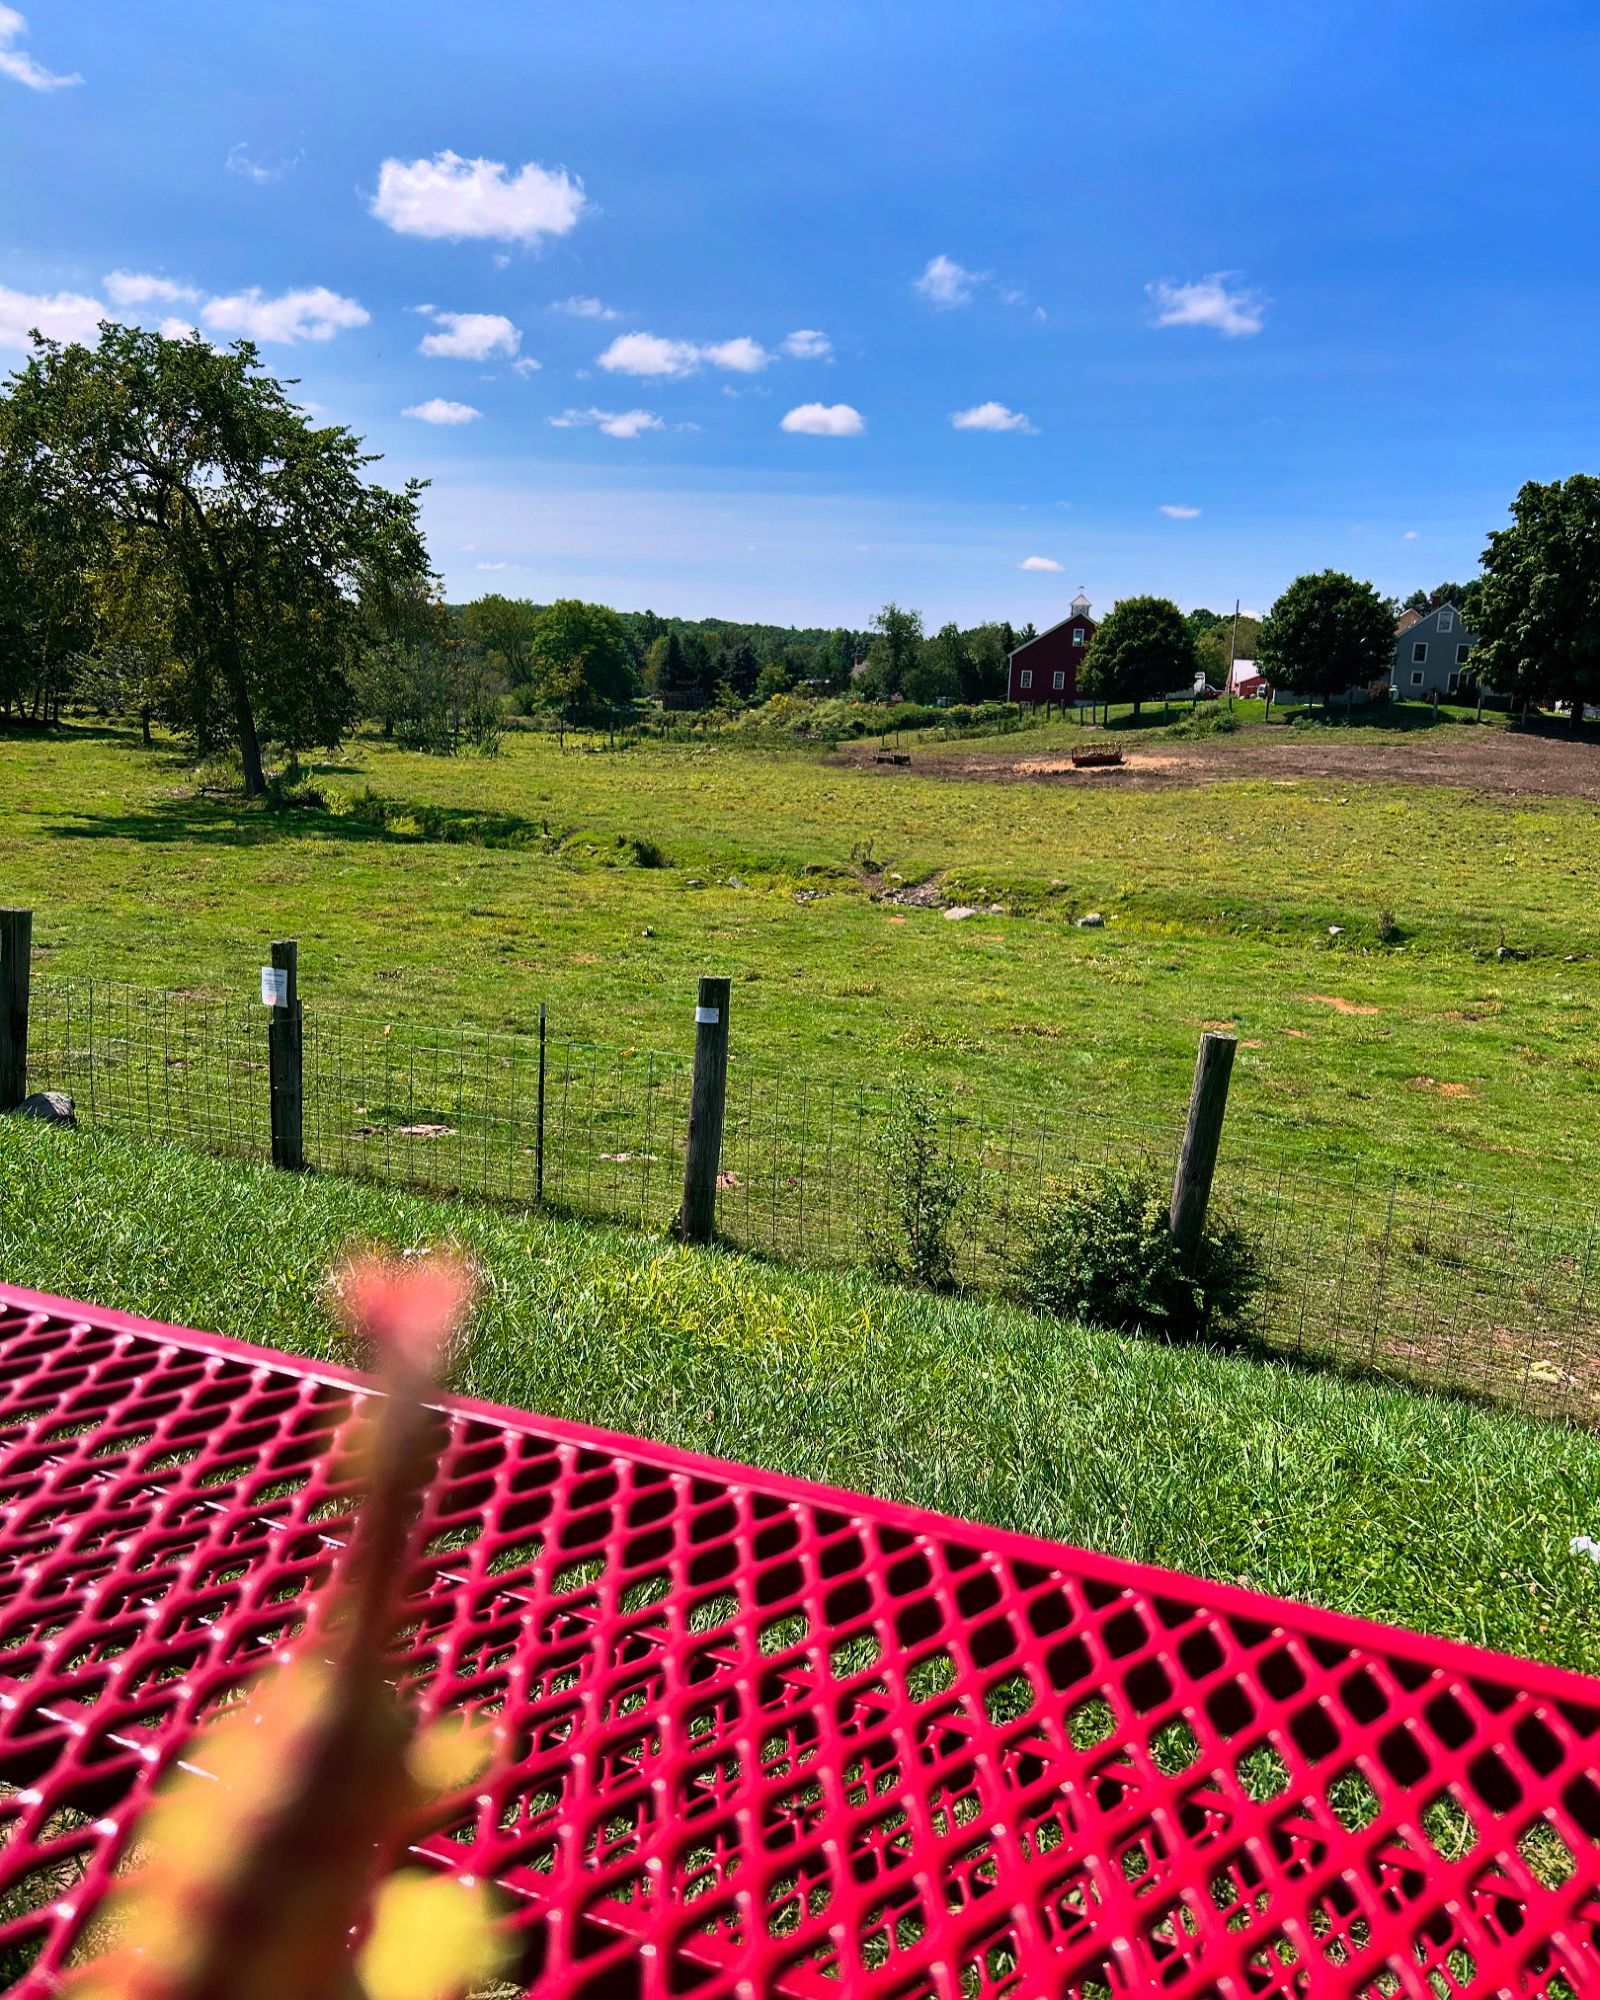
[(1370, 1499), (604, 882)]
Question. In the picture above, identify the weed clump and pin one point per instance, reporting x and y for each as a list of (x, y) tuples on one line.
[(1097, 1249), (910, 1236)]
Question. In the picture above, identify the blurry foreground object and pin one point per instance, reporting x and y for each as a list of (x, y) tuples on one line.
[(268, 1857)]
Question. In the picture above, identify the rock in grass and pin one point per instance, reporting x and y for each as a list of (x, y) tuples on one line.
[(1092, 922), (53, 1107)]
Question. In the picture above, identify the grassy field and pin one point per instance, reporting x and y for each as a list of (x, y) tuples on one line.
[(1373, 1500), (603, 882)]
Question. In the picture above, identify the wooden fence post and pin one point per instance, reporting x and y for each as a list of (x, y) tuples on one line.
[(538, 1152), (284, 1056), (708, 1095), (1191, 1188), (16, 948)]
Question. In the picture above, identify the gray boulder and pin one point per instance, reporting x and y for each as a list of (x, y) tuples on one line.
[(55, 1107)]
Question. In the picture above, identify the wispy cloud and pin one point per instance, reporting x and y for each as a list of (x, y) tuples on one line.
[(454, 198), (260, 171), (1210, 302), (1176, 512), (57, 315), (314, 313), (944, 282), (1040, 562), (652, 357), (807, 343), (491, 565), (614, 423), (468, 336), (20, 67), (143, 288), (440, 410), (580, 307), (830, 420), (991, 417), (1410, 535)]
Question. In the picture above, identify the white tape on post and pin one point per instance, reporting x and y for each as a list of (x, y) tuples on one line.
[(707, 1017), (274, 986)]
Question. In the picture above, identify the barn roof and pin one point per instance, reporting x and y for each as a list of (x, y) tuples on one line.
[(1072, 618)]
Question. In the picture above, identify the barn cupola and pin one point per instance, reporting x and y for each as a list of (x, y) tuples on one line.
[(1080, 604)]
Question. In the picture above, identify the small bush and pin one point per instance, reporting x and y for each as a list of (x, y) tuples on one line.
[(909, 1236), (1388, 928), (1099, 1251)]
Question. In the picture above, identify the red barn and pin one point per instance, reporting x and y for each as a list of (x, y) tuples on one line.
[(1046, 668)]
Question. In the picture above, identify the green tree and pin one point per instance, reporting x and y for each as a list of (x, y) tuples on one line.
[(189, 465), (988, 650), (896, 642), (582, 665), (1537, 617), (501, 629), (1326, 634), (1141, 648), (941, 669)]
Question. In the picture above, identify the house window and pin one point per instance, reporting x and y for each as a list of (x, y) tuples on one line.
[(1058, 680), (1461, 655), (1453, 684), (1419, 651), (1447, 621), (1077, 635), (1025, 678), (1416, 680)]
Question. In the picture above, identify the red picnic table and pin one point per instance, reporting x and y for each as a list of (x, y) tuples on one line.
[(765, 1737)]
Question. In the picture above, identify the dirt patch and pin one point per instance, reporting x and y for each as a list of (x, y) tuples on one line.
[(1504, 763), (1339, 1006), (1438, 1089)]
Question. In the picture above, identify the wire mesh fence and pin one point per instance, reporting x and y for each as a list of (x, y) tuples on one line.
[(1420, 1276)]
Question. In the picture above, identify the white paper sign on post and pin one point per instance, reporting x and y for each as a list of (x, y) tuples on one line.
[(274, 986), (707, 1017)]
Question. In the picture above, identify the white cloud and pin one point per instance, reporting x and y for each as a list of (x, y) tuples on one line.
[(469, 336), (22, 68), (649, 355), (440, 410), (615, 423), (655, 358), (944, 282), (142, 288), (1410, 535), (990, 417), (314, 313), (491, 565), (743, 355), (808, 343), (180, 329), (831, 420), (526, 365), (260, 171), (1039, 562), (1179, 513), (454, 198), (579, 307), (57, 315), (1208, 302)]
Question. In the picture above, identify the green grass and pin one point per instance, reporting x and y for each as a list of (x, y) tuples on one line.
[(475, 889), (1369, 1499)]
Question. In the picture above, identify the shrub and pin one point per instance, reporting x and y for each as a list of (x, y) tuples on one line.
[(909, 1236), (1099, 1251), (1388, 927)]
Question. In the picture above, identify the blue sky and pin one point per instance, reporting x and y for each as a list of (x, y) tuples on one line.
[(1322, 281)]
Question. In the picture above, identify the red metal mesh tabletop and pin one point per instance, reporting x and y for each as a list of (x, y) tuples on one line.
[(764, 1737)]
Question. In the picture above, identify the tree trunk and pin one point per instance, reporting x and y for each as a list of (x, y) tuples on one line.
[(1577, 712), (255, 778), (144, 727)]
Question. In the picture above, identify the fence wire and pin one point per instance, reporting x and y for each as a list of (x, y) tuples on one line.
[(1418, 1276)]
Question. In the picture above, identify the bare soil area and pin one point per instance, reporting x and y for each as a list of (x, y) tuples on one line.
[(1508, 764)]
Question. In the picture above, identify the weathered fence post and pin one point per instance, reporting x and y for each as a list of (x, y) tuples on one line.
[(708, 1094), (1191, 1188), (281, 991), (538, 1142), (16, 948)]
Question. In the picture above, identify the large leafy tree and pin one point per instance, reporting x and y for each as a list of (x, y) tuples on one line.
[(896, 644), (1142, 648), (1327, 634), (501, 629), (188, 470), (582, 664), (1537, 616)]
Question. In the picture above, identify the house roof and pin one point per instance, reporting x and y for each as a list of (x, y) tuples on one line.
[(1072, 618), (1406, 620)]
